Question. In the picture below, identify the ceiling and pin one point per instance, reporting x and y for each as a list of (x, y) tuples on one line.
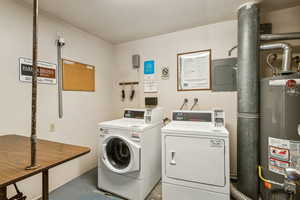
[(119, 21)]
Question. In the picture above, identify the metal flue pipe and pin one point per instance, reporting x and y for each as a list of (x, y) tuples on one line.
[(274, 37), (280, 36), (248, 99), (287, 55), (33, 138)]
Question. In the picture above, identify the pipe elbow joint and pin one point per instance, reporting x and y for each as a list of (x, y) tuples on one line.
[(287, 54), (286, 47)]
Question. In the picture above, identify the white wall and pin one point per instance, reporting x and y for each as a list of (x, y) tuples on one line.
[(82, 110), (164, 49)]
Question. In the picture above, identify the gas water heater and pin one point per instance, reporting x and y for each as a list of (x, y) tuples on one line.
[(280, 136)]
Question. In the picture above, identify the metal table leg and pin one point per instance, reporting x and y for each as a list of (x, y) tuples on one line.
[(45, 185), (3, 193)]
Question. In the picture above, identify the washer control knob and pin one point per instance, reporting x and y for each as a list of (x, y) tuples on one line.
[(104, 131)]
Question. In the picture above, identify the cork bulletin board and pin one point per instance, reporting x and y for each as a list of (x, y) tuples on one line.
[(78, 76)]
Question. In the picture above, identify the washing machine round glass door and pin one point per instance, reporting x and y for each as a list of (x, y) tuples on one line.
[(120, 155)]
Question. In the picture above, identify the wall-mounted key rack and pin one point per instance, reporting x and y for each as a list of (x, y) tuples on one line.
[(129, 83)]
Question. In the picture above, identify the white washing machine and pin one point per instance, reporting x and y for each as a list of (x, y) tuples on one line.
[(195, 157), (130, 153)]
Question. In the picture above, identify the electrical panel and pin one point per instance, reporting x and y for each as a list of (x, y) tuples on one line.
[(224, 75)]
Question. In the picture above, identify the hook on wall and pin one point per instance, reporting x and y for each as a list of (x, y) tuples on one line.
[(196, 100), (123, 84), (128, 83), (132, 92), (184, 103), (123, 93)]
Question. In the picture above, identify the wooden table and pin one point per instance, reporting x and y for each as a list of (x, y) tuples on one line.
[(15, 157)]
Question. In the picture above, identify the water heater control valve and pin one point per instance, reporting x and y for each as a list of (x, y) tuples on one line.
[(292, 87), (289, 187)]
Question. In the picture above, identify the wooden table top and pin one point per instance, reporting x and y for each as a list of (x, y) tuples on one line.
[(15, 157)]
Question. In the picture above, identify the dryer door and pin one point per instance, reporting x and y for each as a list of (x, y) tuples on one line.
[(195, 159), (120, 155)]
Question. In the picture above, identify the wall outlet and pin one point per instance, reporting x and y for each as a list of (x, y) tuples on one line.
[(52, 128)]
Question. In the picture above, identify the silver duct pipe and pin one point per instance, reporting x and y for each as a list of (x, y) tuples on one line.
[(236, 194), (274, 37), (248, 99), (60, 43), (280, 36), (287, 54)]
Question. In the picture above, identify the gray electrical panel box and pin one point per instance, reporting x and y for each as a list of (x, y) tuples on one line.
[(224, 75)]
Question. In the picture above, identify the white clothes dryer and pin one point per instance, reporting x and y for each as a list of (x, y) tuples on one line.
[(195, 157)]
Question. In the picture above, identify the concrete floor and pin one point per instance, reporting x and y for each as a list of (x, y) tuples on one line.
[(85, 188)]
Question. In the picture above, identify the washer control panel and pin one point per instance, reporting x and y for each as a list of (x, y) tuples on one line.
[(150, 116), (219, 116), (134, 114)]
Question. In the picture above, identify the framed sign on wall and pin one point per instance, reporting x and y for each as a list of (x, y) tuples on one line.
[(46, 71), (194, 71)]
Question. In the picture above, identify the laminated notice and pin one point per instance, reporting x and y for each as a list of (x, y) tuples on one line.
[(283, 154)]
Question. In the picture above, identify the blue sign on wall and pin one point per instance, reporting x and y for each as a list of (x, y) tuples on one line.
[(149, 67)]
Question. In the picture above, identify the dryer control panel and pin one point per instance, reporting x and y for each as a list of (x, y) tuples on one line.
[(193, 116), (215, 118)]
